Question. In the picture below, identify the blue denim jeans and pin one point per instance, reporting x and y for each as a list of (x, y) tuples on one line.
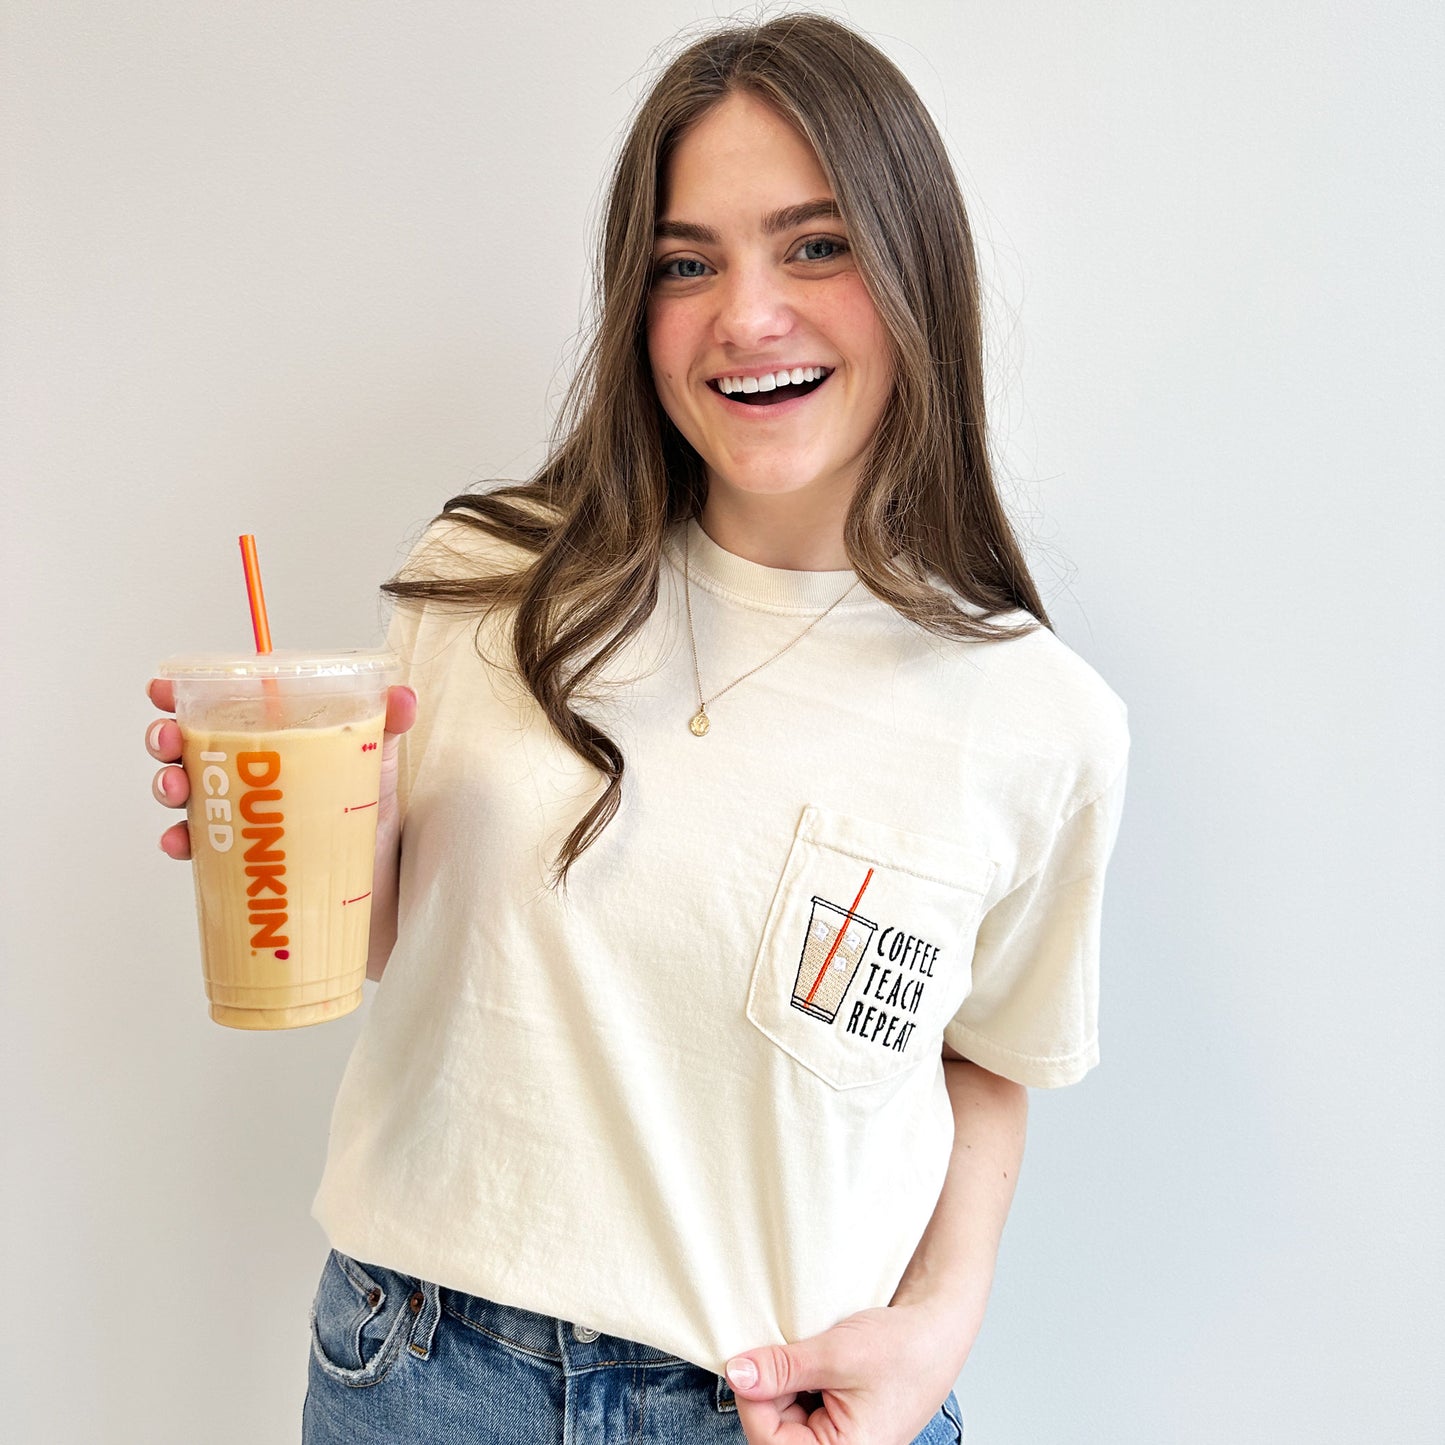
[(398, 1359)]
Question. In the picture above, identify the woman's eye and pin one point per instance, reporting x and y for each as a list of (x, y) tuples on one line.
[(689, 268), (838, 248), (665, 268)]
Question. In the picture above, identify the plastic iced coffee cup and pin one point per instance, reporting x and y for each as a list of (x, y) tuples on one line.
[(283, 755)]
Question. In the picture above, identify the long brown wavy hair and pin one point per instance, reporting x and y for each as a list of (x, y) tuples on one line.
[(591, 521)]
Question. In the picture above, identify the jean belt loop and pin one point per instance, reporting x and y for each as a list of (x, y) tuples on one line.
[(426, 1304)]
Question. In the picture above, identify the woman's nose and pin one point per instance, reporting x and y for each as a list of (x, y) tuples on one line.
[(753, 306)]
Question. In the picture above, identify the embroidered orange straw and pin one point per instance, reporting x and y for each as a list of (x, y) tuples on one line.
[(838, 939)]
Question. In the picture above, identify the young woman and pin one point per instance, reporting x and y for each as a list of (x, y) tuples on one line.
[(743, 866)]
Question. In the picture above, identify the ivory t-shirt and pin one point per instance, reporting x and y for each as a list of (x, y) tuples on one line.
[(698, 1100)]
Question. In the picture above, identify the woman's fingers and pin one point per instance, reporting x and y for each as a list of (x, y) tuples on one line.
[(400, 709), (163, 740), (170, 785)]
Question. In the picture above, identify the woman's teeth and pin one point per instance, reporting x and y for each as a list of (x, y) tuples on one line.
[(729, 385)]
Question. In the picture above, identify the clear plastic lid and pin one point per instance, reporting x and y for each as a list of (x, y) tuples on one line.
[(222, 666)]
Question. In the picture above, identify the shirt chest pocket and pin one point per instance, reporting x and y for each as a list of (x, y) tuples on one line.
[(866, 952)]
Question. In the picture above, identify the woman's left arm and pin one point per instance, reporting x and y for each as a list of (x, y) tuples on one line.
[(882, 1373), (951, 1271)]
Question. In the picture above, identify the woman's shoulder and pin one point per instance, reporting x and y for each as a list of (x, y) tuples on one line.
[(475, 539), (449, 547), (1049, 697)]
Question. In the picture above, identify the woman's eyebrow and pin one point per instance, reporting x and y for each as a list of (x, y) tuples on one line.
[(783, 219)]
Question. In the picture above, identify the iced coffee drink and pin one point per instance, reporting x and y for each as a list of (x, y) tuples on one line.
[(283, 756)]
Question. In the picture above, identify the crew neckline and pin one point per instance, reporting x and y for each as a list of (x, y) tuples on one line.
[(752, 584)]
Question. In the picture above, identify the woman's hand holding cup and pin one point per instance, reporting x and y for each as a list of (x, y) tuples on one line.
[(171, 787), (298, 865)]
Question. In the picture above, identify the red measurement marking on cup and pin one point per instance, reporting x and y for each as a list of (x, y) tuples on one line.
[(357, 899), (846, 921), (283, 953), (361, 807), (368, 747)]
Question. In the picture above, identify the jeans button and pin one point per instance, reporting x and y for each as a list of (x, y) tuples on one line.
[(583, 1335), (416, 1302)]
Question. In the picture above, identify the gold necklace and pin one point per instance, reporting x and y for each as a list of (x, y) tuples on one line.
[(699, 723)]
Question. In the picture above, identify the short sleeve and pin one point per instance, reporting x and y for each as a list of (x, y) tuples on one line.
[(425, 633), (1032, 1012)]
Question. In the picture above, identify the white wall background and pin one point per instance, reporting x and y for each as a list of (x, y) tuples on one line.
[(308, 269)]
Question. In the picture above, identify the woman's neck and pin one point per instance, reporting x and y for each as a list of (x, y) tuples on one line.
[(784, 532)]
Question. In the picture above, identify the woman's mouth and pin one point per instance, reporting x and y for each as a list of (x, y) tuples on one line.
[(771, 390)]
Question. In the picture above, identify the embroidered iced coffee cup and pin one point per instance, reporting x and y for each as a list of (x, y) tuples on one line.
[(835, 943)]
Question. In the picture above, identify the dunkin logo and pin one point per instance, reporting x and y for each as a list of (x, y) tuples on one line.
[(259, 806)]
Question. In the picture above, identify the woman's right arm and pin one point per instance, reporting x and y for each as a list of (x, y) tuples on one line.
[(163, 742), (400, 714)]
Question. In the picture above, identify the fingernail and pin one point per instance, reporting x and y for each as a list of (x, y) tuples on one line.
[(153, 733), (742, 1374)]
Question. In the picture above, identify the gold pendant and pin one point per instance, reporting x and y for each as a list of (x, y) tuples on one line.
[(699, 725)]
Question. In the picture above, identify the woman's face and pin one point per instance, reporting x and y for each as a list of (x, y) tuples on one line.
[(743, 289)]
